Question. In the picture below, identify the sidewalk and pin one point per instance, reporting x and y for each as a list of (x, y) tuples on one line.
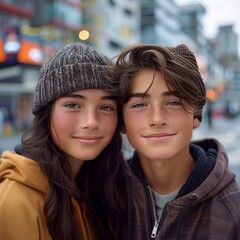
[(220, 125), (8, 143), (227, 131)]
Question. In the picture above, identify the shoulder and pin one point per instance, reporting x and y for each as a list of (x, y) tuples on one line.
[(230, 197), (17, 197), (225, 206), (21, 211), (22, 173)]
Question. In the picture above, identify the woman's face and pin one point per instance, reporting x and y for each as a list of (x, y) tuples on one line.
[(83, 123)]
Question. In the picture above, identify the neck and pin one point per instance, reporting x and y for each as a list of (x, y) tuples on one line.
[(75, 168), (166, 176)]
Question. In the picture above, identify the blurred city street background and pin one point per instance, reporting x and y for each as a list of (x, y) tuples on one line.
[(32, 31), (225, 130)]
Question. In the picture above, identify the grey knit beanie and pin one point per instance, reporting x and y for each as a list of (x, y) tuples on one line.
[(74, 67)]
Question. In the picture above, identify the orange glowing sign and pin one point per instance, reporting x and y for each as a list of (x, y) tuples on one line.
[(30, 53), (3, 56)]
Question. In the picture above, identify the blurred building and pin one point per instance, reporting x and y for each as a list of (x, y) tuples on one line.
[(30, 33), (226, 51), (160, 22), (112, 24), (191, 22), (227, 43), (191, 19)]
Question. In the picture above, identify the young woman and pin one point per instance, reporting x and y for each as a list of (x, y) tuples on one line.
[(65, 180), (190, 193)]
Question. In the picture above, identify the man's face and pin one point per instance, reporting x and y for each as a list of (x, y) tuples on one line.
[(155, 121)]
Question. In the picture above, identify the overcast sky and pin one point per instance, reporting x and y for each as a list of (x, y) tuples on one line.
[(219, 12)]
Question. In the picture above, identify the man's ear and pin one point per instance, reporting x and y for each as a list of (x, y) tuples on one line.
[(196, 123)]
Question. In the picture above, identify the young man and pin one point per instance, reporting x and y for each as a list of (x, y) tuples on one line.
[(189, 191)]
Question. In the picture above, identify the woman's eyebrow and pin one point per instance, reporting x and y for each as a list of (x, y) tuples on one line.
[(107, 97), (75, 96)]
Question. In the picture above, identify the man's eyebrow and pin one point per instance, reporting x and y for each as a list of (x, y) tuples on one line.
[(170, 93), (143, 94), (139, 95), (107, 97)]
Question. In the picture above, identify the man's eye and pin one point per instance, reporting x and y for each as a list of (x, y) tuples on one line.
[(138, 105), (174, 103)]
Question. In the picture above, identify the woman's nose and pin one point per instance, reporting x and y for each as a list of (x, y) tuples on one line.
[(90, 120)]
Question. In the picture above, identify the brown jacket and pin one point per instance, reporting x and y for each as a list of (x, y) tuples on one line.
[(209, 212)]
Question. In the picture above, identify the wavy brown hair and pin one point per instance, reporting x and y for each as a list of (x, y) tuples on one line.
[(100, 184), (178, 66)]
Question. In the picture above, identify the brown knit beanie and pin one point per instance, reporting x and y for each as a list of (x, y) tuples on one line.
[(185, 57), (74, 67)]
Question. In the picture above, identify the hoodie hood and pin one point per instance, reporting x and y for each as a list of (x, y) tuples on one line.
[(209, 177), (23, 170), (209, 193), (220, 176)]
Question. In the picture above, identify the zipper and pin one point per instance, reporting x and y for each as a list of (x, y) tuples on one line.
[(156, 221), (154, 230)]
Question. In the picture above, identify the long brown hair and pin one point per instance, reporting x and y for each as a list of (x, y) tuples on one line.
[(100, 184)]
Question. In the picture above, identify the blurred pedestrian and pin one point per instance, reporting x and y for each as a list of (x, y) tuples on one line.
[(65, 180), (190, 193), (1, 121)]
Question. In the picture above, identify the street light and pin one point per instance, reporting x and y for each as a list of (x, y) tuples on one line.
[(83, 35), (212, 95)]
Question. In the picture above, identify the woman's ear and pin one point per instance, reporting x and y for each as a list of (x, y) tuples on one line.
[(196, 123)]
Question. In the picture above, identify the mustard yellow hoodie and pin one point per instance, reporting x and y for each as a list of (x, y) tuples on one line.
[(23, 188)]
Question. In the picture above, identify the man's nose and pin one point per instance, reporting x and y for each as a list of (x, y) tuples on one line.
[(157, 116)]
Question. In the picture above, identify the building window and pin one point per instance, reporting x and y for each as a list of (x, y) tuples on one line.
[(127, 11), (114, 45), (112, 2)]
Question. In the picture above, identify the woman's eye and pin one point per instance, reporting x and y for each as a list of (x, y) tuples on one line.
[(107, 108), (72, 105)]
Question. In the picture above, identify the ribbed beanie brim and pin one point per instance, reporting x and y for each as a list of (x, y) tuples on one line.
[(74, 67), (185, 57)]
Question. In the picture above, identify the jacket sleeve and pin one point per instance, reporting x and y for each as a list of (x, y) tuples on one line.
[(21, 213)]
